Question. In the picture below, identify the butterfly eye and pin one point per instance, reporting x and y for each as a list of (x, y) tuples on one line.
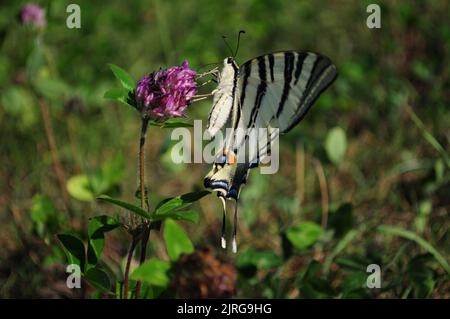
[(230, 60)]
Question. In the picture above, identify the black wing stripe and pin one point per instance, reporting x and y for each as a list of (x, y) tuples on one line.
[(328, 75), (247, 67), (288, 68), (299, 66), (271, 64), (319, 66), (260, 91)]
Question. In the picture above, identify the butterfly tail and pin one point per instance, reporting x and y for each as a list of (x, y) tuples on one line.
[(234, 243), (224, 222)]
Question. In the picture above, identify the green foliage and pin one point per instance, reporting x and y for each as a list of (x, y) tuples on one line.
[(177, 241), (45, 217), (153, 271), (99, 279), (168, 208), (336, 144), (85, 187), (74, 248), (79, 188), (97, 228), (125, 79), (398, 231), (313, 284), (131, 208), (390, 101), (261, 259), (421, 276), (304, 235)]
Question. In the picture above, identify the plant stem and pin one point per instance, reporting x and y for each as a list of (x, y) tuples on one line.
[(127, 267), (141, 162), (146, 231), (142, 259), (323, 190), (54, 153)]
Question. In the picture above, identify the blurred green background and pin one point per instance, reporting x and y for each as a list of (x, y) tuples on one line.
[(364, 179)]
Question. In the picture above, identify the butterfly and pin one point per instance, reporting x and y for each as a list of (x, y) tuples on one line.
[(272, 91)]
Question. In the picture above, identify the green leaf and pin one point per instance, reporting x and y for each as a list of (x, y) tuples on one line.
[(130, 207), (354, 281), (74, 249), (398, 231), (177, 242), (170, 204), (304, 235), (261, 259), (79, 188), (99, 279), (45, 217), (97, 228), (336, 144), (191, 216), (124, 78), (154, 272), (116, 94)]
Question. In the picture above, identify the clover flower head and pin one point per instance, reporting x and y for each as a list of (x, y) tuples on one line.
[(33, 14), (166, 93)]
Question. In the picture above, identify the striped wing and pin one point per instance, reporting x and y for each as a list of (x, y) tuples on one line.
[(277, 90), (224, 97)]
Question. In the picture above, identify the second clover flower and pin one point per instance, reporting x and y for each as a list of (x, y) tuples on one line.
[(166, 93)]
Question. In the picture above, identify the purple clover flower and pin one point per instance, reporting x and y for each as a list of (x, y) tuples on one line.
[(166, 93), (33, 14)]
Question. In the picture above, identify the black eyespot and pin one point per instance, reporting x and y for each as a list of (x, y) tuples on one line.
[(230, 60)]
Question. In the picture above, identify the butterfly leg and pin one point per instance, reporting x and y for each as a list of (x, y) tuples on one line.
[(214, 71), (203, 96), (234, 243), (224, 222), (206, 82)]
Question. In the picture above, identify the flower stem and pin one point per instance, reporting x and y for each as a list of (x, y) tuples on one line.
[(141, 162), (127, 267), (142, 259), (146, 232)]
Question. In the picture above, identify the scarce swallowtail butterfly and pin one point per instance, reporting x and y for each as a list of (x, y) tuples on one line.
[(273, 91)]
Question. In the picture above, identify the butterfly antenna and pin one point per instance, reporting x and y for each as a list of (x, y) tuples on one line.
[(224, 222), (228, 46), (234, 244), (238, 41)]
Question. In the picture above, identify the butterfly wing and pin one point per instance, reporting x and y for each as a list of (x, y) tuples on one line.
[(277, 90), (223, 99)]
